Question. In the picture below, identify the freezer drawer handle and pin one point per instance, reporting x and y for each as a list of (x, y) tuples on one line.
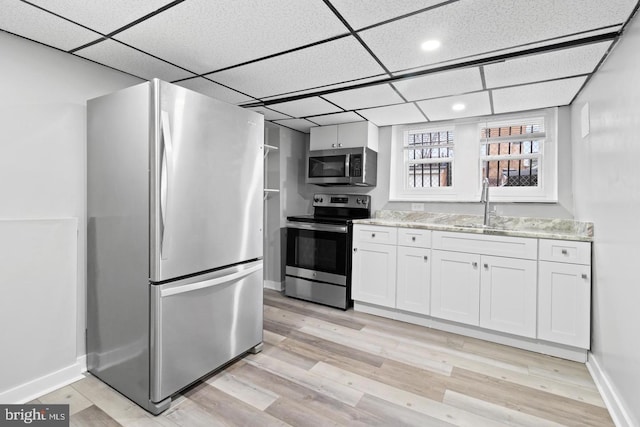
[(165, 177), (210, 283)]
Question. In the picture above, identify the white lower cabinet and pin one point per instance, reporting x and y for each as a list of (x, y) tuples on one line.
[(455, 286), (564, 303), (508, 295), (525, 287), (413, 279), (373, 277)]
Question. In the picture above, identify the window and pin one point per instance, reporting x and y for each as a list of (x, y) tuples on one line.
[(429, 158), (510, 152), (515, 152)]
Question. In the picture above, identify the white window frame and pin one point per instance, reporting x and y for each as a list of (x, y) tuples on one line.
[(467, 163)]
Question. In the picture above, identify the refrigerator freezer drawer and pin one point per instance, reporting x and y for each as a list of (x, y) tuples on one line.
[(201, 323)]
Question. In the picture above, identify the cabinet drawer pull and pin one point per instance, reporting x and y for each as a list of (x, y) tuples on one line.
[(373, 234), (486, 266), (564, 252), (474, 264), (413, 238), (355, 249), (333, 145), (426, 258), (584, 276)]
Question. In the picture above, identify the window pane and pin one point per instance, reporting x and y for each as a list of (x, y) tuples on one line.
[(429, 175), (511, 173), (505, 148), (429, 153), (429, 139), (520, 129)]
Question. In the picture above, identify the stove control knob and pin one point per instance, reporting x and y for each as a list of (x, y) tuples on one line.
[(315, 199), (358, 200), (321, 199)]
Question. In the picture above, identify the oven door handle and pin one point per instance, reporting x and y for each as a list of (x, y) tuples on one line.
[(318, 227)]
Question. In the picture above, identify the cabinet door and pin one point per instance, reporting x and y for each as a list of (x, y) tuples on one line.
[(455, 286), (373, 278), (323, 137), (413, 279), (353, 134), (564, 303), (508, 295)]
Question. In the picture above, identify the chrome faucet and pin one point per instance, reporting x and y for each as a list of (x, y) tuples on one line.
[(484, 198)]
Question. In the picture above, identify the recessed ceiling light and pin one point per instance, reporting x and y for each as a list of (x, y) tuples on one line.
[(430, 45), (458, 107)]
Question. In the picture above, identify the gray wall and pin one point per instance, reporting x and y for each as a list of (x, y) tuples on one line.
[(284, 169), (43, 164), (606, 180)]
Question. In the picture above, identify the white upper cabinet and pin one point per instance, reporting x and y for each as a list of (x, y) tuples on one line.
[(346, 135)]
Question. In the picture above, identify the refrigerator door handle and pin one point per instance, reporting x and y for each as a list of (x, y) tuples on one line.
[(212, 282), (165, 175)]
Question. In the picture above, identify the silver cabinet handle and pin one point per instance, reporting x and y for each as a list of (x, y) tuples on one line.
[(339, 145), (333, 145)]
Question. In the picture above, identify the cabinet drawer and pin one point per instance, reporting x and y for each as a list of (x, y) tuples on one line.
[(375, 234), (414, 237), (565, 251), (512, 247)]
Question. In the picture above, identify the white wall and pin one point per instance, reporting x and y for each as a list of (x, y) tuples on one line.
[(606, 176), (43, 175), (562, 209)]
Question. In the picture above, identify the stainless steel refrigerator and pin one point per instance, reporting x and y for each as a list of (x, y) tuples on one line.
[(174, 202)]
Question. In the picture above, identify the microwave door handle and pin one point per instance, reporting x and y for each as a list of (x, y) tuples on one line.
[(347, 162)]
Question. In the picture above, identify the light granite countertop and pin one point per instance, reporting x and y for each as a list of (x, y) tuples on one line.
[(543, 228)]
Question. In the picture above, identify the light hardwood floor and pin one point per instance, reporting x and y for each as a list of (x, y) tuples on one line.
[(322, 366)]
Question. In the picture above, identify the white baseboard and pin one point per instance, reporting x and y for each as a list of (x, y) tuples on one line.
[(272, 284), (616, 407), (46, 384)]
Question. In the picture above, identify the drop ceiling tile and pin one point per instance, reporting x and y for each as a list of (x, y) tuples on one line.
[(306, 107), (538, 95), (366, 97), (440, 84), (269, 114), (465, 28), (124, 58), (301, 125), (215, 90), (476, 104), (546, 66), (361, 14), (324, 64), (323, 88), (204, 35), (28, 21), (99, 15), (334, 119), (393, 114)]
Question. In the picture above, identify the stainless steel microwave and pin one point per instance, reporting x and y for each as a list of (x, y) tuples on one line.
[(342, 166)]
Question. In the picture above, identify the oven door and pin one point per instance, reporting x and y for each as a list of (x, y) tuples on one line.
[(318, 252)]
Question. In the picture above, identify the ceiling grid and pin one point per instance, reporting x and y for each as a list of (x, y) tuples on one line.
[(321, 62)]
